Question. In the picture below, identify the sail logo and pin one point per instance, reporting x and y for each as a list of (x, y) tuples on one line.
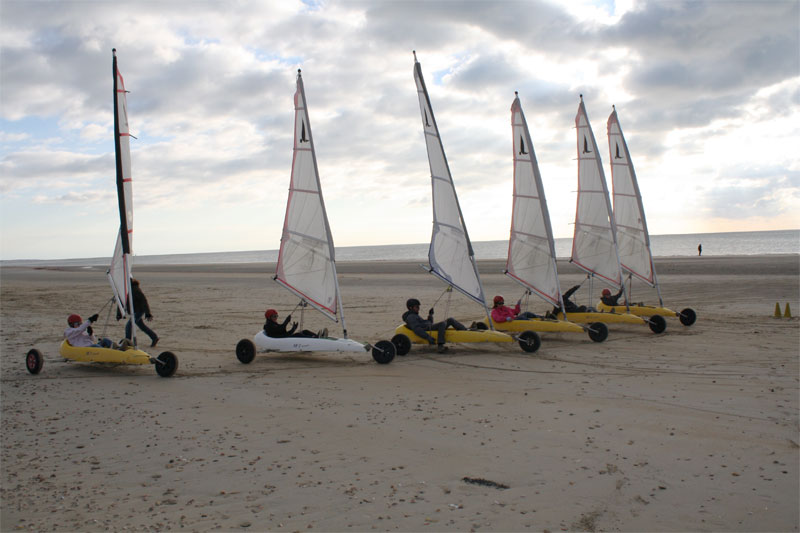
[(303, 138), (427, 122), (617, 156), (522, 146), (586, 145)]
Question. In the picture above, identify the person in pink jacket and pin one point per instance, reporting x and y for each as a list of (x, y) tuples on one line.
[(503, 313)]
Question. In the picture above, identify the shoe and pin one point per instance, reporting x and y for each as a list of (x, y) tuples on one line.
[(441, 348), (473, 326), (322, 333), (155, 341)]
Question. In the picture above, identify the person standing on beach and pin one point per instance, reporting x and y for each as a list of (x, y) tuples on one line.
[(421, 326), (141, 309), (699, 250)]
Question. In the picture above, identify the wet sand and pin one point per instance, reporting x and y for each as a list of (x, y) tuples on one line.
[(694, 429)]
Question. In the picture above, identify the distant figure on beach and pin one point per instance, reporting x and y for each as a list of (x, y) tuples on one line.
[(141, 309), (569, 305), (611, 299), (503, 313), (277, 330), (421, 326), (699, 250), (79, 333)]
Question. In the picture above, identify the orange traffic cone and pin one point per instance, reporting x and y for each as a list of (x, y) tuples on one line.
[(777, 310), (788, 313)]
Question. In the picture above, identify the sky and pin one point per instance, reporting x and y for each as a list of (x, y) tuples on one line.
[(707, 94)]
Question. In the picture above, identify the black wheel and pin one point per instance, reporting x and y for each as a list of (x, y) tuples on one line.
[(529, 341), (166, 364), (597, 331), (34, 361), (383, 352), (402, 343), (245, 351), (657, 324), (688, 317)]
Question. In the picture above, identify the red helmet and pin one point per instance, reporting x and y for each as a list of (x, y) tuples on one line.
[(606, 292), (270, 312), (498, 300), (74, 320)]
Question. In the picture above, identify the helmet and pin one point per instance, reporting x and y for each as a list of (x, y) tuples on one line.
[(411, 302), (270, 312), (74, 320), (498, 300), (606, 292)]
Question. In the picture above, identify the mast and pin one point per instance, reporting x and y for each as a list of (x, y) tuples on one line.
[(531, 249), (450, 255), (306, 259), (594, 243), (636, 256), (120, 269)]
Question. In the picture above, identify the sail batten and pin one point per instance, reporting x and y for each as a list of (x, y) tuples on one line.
[(306, 258), (531, 249), (450, 255), (594, 244), (632, 234)]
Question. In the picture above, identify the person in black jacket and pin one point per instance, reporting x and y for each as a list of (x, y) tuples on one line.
[(278, 330), (569, 305), (141, 309), (421, 326), (611, 299)]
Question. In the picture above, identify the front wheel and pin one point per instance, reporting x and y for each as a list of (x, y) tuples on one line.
[(657, 324), (383, 352), (166, 364), (402, 343), (34, 361), (529, 341), (245, 351), (688, 317), (597, 331)]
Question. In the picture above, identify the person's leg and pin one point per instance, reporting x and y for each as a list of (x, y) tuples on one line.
[(142, 326), (527, 315), (455, 323), (424, 334), (128, 331)]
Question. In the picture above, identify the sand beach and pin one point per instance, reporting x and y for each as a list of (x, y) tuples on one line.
[(696, 429)]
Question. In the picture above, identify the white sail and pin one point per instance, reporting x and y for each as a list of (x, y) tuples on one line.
[(450, 255), (632, 236), (119, 272), (594, 245), (531, 250), (306, 262)]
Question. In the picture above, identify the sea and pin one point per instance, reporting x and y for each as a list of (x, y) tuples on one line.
[(714, 244)]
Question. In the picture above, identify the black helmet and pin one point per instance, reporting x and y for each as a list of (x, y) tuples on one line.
[(411, 302)]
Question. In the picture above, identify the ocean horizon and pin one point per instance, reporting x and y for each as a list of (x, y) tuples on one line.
[(683, 245)]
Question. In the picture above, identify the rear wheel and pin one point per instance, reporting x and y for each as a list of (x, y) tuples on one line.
[(34, 361), (245, 351), (166, 364), (657, 324), (597, 331), (383, 352), (688, 317), (529, 341), (402, 343)]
